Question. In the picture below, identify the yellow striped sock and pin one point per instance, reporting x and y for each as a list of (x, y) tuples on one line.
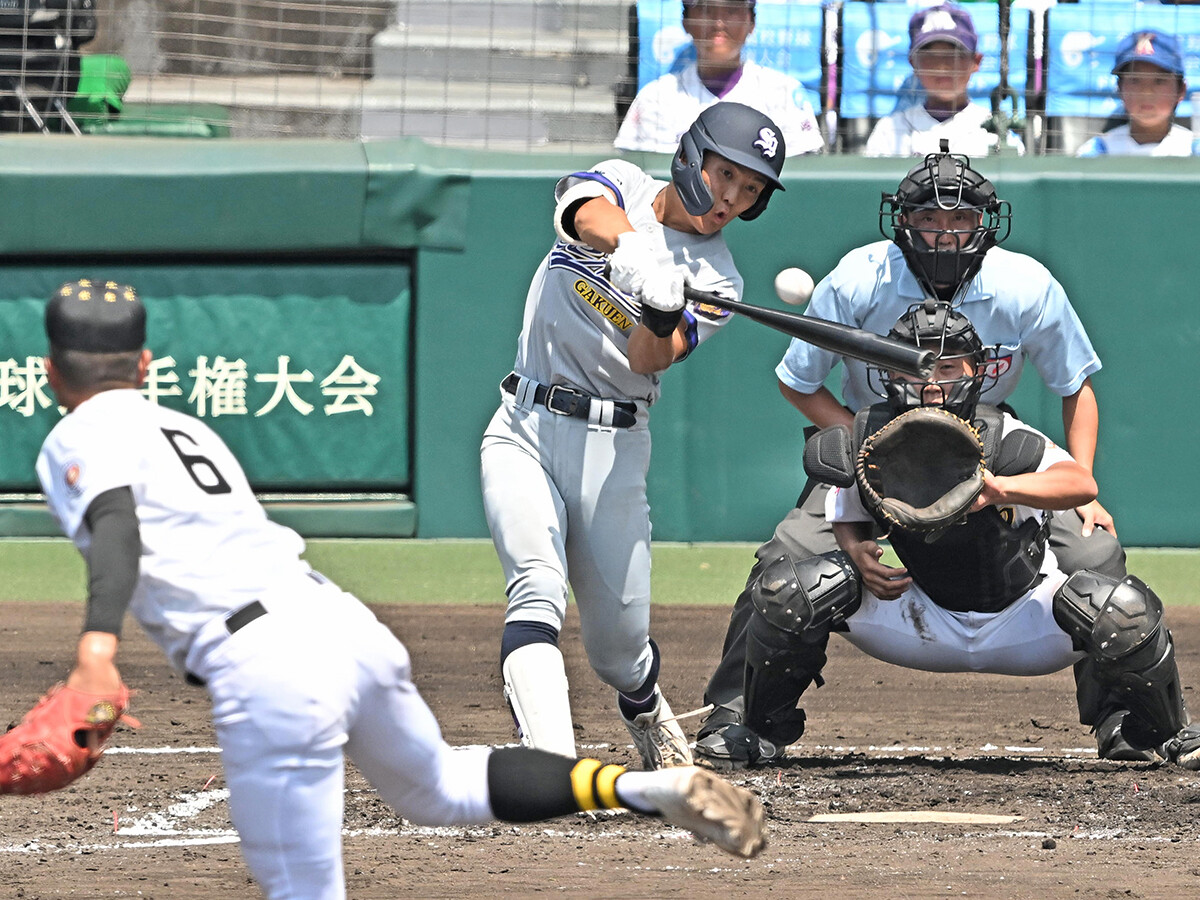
[(594, 785)]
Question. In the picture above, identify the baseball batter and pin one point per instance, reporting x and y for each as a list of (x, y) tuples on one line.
[(300, 673), (564, 459), (983, 594), (666, 107), (943, 226)]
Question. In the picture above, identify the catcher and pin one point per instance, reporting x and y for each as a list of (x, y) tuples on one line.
[(301, 674), (963, 491)]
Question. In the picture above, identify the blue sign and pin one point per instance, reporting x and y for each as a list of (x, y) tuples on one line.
[(786, 36), (877, 78), (1082, 48)]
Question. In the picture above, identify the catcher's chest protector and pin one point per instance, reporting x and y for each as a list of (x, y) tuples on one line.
[(984, 564)]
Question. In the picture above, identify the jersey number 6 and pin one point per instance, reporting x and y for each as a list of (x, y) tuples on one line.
[(197, 464)]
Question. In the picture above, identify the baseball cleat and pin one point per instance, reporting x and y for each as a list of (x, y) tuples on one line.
[(737, 747), (1111, 743), (712, 809), (659, 740), (1184, 748)]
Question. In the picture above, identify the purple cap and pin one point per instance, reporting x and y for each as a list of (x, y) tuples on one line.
[(690, 3), (946, 22), (1151, 46)]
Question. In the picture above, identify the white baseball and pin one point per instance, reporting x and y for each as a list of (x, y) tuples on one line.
[(794, 286)]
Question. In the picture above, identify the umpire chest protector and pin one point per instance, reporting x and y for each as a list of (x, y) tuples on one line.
[(985, 563)]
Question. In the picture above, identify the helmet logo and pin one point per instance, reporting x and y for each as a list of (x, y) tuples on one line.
[(768, 142)]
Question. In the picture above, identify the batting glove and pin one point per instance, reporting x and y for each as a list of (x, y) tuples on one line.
[(662, 300), (634, 259)]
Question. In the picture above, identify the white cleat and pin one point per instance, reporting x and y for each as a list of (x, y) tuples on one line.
[(658, 738), (712, 809)]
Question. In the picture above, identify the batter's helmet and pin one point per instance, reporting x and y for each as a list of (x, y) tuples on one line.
[(945, 181), (741, 135), (950, 334)]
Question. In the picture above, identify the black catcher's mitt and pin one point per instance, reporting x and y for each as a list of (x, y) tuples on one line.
[(922, 470)]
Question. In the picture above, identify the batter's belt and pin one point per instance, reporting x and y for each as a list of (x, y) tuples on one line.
[(567, 401)]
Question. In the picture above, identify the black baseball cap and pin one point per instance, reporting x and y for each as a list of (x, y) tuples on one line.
[(96, 317)]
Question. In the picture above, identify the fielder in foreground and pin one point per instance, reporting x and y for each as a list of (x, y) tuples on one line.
[(300, 673), (564, 458)]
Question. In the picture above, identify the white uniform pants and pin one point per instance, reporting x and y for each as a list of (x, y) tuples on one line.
[(316, 677), (913, 631), (567, 499)]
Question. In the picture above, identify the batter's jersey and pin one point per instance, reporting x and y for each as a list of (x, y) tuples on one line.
[(665, 108), (577, 324), (1179, 142), (914, 132), (207, 545), (1012, 301)]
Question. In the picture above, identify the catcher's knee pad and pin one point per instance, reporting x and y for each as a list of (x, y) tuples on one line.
[(1119, 624), (820, 591), (796, 604)]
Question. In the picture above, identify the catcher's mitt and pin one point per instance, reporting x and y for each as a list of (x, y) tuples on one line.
[(922, 470), (60, 739)]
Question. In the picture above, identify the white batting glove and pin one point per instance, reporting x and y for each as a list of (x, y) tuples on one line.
[(663, 289), (634, 259), (662, 300)]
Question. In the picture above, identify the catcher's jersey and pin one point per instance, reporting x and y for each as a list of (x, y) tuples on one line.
[(912, 131), (193, 504), (1119, 142), (577, 324), (1012, 301), (665, 108)]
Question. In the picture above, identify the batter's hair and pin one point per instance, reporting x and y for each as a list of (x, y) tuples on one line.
[(81, 369)]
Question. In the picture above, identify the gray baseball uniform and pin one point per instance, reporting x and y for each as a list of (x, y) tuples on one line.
[(565, 496)]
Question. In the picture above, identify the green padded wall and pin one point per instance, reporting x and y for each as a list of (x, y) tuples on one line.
[(1118, 233)]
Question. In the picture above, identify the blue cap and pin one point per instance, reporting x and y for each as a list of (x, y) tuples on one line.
[(946, 22), (1151, 46)]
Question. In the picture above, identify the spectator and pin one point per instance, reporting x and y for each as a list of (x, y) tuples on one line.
[(665, 108), (944, 56), (1150, 83)]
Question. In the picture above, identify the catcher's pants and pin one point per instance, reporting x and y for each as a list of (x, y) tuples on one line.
[(913, 631), (316, 677), (562, 496)]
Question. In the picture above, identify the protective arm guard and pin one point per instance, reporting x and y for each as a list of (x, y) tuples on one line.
[(796, 605), (1119, 624)]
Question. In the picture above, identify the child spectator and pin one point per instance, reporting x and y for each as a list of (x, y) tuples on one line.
[(665, 108), (944, 56), (1150, 83)]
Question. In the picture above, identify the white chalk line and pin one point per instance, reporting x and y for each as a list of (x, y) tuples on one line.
[(170, 827)]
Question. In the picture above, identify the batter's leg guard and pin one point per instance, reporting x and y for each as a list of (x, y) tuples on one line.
[(1119, 624), (535, 686), (796, 605)]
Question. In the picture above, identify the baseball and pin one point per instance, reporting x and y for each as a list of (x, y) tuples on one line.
[(794, 286)]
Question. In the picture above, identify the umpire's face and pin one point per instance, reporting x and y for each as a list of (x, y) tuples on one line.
[(945, 229)]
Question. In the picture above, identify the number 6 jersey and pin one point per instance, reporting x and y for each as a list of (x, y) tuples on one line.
[(192, 500)]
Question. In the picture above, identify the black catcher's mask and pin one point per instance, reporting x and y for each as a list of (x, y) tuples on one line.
[(937, 326), (945, 181)]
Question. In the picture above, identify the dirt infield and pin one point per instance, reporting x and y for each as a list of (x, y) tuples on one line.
[(880, 740)]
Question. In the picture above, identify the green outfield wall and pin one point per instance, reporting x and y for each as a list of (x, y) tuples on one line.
[(343, 313)]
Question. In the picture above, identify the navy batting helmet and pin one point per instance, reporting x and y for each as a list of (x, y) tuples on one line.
[(740, 134), (944, 181)]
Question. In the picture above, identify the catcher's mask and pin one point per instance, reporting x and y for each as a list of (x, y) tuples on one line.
[(944, 181), (950, 335), (741, 135)]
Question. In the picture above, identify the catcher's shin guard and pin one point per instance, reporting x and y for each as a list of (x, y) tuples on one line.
[(1119, 624), (796, 605), (535, 686)]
